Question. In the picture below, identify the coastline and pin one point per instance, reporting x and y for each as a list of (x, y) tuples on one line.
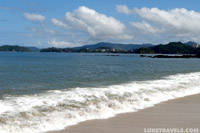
[(177, 113)]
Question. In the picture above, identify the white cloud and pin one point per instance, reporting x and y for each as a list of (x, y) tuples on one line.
[(177, 24), (34, 17), (180, 19), (58, 43), (123, 9), (98, 26), (64, 44), (59, 23), (145, 28)]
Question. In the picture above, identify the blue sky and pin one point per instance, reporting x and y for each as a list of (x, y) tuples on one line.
[(69, 23)]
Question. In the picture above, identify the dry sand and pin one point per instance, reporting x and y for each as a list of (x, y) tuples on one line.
[(178, 113)]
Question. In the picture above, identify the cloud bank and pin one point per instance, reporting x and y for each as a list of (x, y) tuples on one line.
[(175, 24)]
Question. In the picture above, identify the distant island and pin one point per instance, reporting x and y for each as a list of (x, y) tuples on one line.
[(16, 48), (104, 47), (172, 56)]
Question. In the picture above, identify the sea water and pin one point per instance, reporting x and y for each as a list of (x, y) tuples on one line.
[(48, 91)]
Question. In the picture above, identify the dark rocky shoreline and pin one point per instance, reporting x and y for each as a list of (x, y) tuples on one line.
[(171, 56)]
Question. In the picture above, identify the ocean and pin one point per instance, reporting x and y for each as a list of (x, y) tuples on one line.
[(48, 91)]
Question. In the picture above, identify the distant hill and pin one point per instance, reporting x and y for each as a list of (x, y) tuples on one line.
[(115, 46), (34, 49), (14, 48), (190, 43), (173, 48), (105, 47), (170, 48)]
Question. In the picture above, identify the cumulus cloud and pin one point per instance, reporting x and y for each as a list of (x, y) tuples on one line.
[(63, 44), (34, 17), (176, 24), (123, 9), (145, 28), (58, 43), (98, 26), (57, 22), (181, 19)]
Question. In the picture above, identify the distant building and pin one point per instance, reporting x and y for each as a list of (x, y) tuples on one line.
[(113, 50), (103, 50)]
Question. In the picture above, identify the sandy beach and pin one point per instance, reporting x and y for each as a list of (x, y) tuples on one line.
[(177, 113)]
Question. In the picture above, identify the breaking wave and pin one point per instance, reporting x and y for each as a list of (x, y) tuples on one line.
[(54, 110)]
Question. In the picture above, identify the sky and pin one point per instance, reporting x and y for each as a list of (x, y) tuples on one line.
[(71, 23)]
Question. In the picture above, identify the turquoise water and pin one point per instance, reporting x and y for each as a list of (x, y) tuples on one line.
[(50, 90)]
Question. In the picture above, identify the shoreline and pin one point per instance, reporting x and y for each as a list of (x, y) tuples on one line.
[(176, 113), (171, 56)]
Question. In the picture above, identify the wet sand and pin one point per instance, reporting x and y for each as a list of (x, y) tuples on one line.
[(178, 113)]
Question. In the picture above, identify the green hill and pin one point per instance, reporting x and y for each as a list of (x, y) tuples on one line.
[(9, 48), (173, 48)]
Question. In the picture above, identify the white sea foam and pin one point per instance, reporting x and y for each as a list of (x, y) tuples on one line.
[(57, 109)]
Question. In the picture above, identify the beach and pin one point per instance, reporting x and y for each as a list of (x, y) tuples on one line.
[(177, 113)]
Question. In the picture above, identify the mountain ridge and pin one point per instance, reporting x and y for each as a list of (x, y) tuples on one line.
[(171, 47), (118, 46)]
